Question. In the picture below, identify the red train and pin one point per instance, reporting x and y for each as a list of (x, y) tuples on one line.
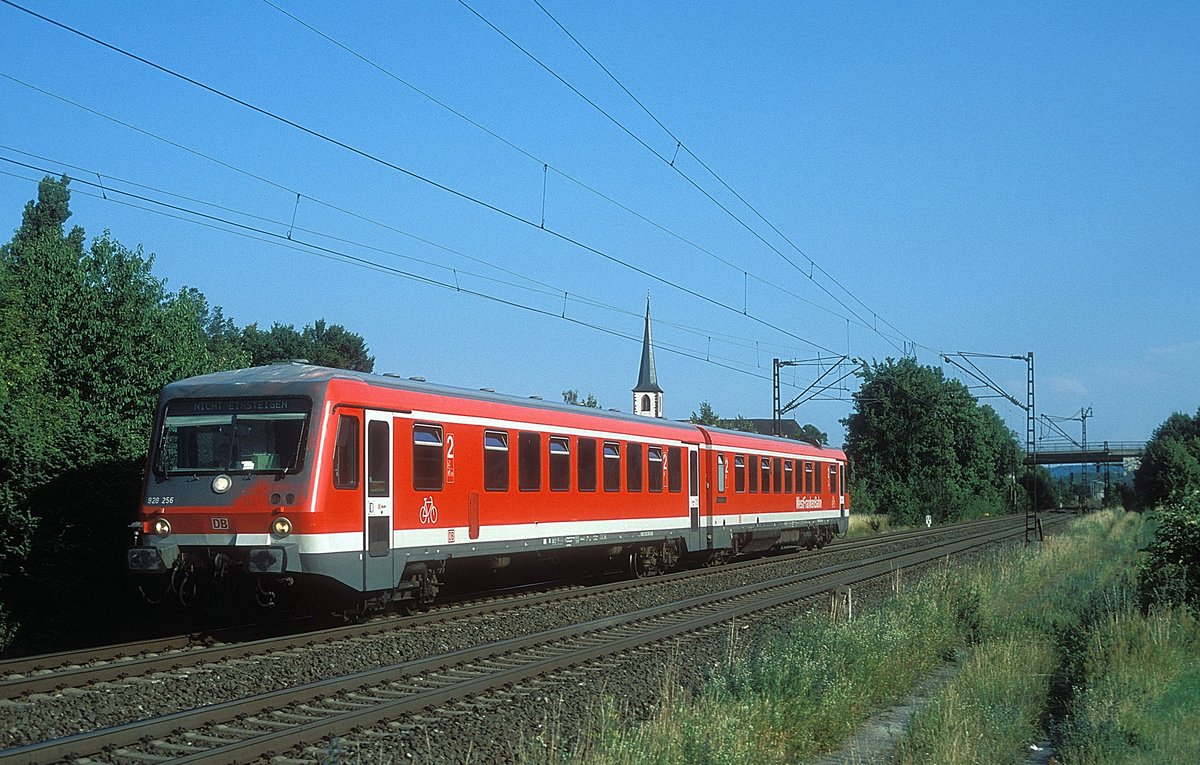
[(288, 475)]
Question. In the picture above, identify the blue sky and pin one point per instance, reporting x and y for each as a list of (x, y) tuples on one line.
[(996, 178)]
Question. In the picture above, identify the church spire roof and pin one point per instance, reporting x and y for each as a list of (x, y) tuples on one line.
[(647, 377)]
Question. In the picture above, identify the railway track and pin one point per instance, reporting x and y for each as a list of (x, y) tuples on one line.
[(246, 729), (76, 669)]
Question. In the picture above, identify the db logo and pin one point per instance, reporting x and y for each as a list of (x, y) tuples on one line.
[(220, 524)]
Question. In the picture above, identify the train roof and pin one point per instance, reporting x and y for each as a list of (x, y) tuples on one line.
[(296, 377)]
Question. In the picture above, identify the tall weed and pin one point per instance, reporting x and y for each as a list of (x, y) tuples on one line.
[(1021, 619), (1138, 691)]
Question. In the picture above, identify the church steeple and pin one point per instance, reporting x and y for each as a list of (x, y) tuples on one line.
[(647, 396)]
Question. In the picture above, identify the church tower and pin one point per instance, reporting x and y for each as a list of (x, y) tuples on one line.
[(647, 396)]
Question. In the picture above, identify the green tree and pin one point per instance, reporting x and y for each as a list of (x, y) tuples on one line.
[(1040, 483), (329, 345), (41, 274), (572, 397), (1170, 467), (813, 434), (88, 338), (706, 416), (921, 444), (335, 346), (739, 423)]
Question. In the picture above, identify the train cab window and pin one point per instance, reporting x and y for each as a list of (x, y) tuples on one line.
[(720, 473), (753, 474), (585, 449), (778, 475), (787, 477), (817, 478), (654, 473), (612, 466), (833, 482), (739, 473), (379, 458), (808, 478), (428, 458), (633, 467), (674, 469), (345, 453), (495, 460), (560, 463), (765, 464), (529, 461)]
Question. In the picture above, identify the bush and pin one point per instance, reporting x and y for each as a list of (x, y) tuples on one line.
[(1169, 574)]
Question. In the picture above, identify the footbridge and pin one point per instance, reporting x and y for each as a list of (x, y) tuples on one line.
[(1073, 454)]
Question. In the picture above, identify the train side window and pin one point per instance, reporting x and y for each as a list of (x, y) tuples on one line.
[(379, 458), (612, 466), (817, 478), (560, 463), (752, 469), (833, 482), (739, 473), (787, 477), (495, 460), (529, 461), (586, 461), (693, 473), (654, 473), (345, 453), (808, 478), (674, 469), (720, 473), (633, 467), (765, 463), (428, 458), (778, 475)]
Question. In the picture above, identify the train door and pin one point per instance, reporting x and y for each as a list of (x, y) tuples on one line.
[(377, 510), (694, 487)]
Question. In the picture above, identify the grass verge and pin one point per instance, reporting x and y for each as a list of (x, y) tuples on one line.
[(1020, 623)]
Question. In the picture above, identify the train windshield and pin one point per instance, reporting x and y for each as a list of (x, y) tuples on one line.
[(264, 435)]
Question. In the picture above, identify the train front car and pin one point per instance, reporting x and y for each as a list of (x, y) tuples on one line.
[(227, 494)]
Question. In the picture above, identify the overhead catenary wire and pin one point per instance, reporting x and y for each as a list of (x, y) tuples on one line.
[(679, 144), (672, 164), (276, 238), (548, 289), (411, 174), (548, 167)]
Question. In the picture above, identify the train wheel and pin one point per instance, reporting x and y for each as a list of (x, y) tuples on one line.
[(717, 558), (185, 586), (643, 562)]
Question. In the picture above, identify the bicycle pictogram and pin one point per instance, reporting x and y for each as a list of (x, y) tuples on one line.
[(428, 512)]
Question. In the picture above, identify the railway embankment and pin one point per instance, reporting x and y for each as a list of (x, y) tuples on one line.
[(1026, 645)]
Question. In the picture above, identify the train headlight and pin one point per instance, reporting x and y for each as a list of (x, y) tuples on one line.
[(281, 527), (221, 484), (162, 527)]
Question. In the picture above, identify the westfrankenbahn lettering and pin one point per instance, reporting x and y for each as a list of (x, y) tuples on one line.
[(808, 504)]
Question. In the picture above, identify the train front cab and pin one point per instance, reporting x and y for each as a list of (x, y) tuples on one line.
[(227, 484)]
